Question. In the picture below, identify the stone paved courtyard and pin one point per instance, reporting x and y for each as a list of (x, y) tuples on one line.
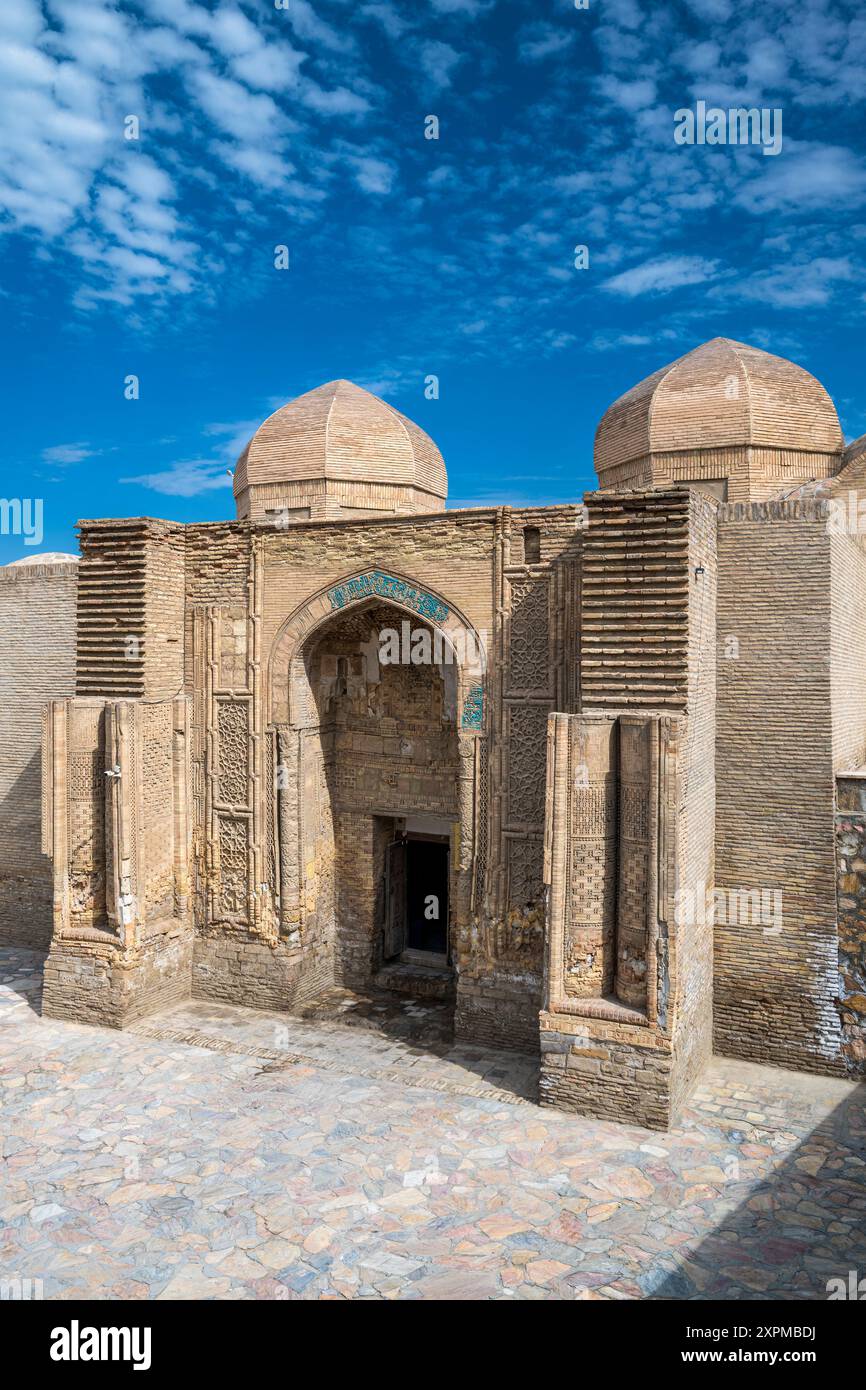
[(215, 1152)]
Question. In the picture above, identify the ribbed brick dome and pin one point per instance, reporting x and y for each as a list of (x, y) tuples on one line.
[(341, 434), (739, 409)]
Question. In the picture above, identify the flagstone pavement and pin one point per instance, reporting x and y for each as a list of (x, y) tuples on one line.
[(218, 1152)]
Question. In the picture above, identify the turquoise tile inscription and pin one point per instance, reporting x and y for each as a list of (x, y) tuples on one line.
[(388, 586)]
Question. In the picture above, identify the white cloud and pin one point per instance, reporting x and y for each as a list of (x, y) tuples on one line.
[(799, 285), (393, 23), (767, 64), (98, 38), (133, 244), (661, 275), (262, 166), (26, 65), (272, 68), (610, 342), (539, 41), (21, 19), (67, 453), (53, 137), (700, 58), (232, 32), (308, 25), (246, 115), (438, 61), (575, 183), (632, 96), (188, 479), (236, 434), (626, 13), (146, 180), (183, 15), (806, 177), (268, 62), (373, 175), (339, 102), (712, 10)]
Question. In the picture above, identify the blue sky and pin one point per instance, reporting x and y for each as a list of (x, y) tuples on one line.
[(304, 126)]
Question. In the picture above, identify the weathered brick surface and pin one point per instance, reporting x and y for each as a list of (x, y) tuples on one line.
[(37, 663), (596, 1074), (241, 969), (776, 981), (691, 948), (130, 608), (91, 982), (851, 889), (499, 1010)]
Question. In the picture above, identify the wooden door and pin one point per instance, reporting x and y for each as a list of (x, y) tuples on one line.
[(395, 899)]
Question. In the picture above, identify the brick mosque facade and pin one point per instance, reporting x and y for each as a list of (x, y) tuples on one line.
[(625, 763)]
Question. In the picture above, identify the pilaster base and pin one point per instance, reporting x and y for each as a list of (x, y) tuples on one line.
[(88, 980), (606, 1072)]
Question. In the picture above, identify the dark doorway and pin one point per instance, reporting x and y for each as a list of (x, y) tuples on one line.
[(417, 899)]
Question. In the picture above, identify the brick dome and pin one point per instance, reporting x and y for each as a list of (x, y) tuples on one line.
[(739, 420), (336, 451), (46, 557)]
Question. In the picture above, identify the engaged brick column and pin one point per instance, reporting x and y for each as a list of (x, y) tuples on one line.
[(625, 1022), (122, 944), (604, 1052)]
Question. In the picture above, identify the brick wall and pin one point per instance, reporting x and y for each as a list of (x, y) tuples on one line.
[(776, 982), (85, 982), (450, 553), (851, 872), (848, 649), (37, 663)]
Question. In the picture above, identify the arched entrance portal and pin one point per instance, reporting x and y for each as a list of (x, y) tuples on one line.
[(382, 713)]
